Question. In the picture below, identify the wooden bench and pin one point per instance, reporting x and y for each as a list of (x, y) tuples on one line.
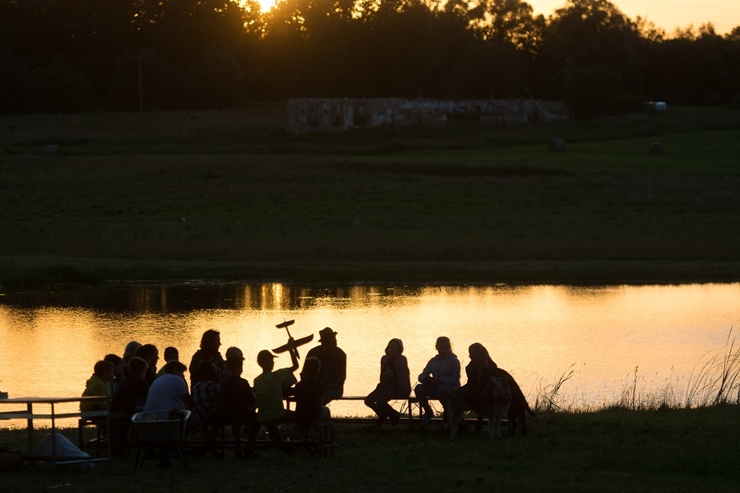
[(410, 409)]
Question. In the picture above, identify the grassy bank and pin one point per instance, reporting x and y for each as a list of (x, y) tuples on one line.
[(229, 195), (612, 450)]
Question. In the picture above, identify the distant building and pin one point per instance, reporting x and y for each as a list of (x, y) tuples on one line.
[(338, 115)]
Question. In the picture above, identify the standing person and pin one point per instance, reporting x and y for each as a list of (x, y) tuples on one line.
[(237, 398), (98, 385), (333, 365), (395, 383), (439, 379), (210, 341), (268, 391), (170, 390)]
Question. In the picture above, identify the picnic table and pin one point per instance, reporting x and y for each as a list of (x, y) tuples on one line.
[(33, 409)]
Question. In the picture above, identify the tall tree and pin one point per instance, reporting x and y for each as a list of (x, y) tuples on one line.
[(591, 53)]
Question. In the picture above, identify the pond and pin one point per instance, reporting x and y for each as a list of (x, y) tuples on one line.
[(608, 343)]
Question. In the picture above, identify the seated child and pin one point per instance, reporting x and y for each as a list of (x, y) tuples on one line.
[(98, 385), (308, 395), (237, 398), (268, 390)]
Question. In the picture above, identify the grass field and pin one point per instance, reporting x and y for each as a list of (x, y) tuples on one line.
[(230, 195), (665, 450)]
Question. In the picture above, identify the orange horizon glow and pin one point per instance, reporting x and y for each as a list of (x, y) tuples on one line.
[(668, 15)]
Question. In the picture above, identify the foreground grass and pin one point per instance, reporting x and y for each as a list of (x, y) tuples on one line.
[(611, 450), (229, 195)]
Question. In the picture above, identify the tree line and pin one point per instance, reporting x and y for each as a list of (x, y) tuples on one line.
[(81, 55)]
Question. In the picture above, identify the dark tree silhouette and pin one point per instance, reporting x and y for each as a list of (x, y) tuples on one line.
[(74, 55)]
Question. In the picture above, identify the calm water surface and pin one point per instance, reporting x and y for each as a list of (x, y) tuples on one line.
[(611, 338)]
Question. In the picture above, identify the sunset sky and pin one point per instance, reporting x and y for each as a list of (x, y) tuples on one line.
[(665, 14), (668, 14)]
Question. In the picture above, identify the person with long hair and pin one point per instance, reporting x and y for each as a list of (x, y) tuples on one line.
[(481, 366), (394, 383)]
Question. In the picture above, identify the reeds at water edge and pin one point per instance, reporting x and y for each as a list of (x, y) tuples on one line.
[(715, 383)]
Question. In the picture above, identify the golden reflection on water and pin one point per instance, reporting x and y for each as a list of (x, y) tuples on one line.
[(537, 333)]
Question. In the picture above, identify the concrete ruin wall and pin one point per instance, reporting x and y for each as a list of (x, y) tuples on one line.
[(337, 115)]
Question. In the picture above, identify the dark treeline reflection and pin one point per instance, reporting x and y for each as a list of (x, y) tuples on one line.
[(74, 55), (155, 298)]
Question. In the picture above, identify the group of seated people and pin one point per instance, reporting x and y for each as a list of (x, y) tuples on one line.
[(439, 380), (219, 395)]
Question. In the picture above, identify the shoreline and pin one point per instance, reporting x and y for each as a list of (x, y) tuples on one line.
[(29, 271)]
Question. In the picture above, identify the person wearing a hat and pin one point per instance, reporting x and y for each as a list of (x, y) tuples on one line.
[(333, 361), (395, 383), (268, 392), (237, 398)]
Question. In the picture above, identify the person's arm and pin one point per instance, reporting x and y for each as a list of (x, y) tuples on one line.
[(341, 368), (402, 373), (426, 373), (383, 362), (293, 355), (185, 397), (334, 369)]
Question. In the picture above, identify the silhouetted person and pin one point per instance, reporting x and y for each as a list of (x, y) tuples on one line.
[(395, 383), (132, 391), (119, 371), (207, 405), (129, 352), (481, 366), (333, 361), (98, 385), (129, 399), (308, 394), (150, 354), (170, 354), (170, 390), (439, 379), (210, 341), (268, 391), (237, 398)]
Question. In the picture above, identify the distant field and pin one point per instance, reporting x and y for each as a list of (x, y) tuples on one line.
[(230, 195)]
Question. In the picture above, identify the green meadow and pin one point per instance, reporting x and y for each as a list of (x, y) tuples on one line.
[(231, 195), (664, 450)]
